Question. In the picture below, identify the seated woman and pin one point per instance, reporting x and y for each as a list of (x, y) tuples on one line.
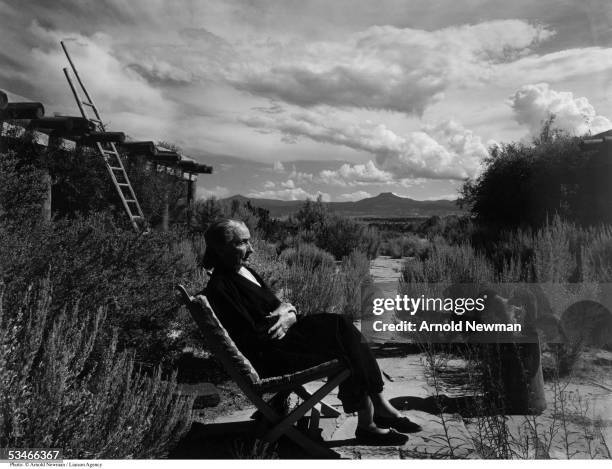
[(277, 340)]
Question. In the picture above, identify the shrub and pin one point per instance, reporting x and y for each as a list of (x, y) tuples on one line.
[(597, 255), (19, 206), (97, 262), (309, 280), (449, 264), (552, 175), (357, 284), (405, 246), (314, 224), (340, 236), (54, 395), (554, 262)]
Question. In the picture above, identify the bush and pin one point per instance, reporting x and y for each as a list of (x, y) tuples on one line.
[(19, 206), (449, 264), (55, 394), (357, 284), (552, 175), (404, 246), (597, 255), (554, 262), (96, 262), (309, 280), (341, 236), (314, 224)]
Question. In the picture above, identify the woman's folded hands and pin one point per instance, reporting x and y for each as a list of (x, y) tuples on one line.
[(287, 317)]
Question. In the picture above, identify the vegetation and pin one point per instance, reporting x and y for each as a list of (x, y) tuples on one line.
[(55, 396), (524, 184)]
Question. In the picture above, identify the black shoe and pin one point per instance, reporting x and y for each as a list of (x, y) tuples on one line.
[(390, 438), (401, 424)]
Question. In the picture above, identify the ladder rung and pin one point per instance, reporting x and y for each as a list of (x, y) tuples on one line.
[(116, 168), (96, 120), (130, 201), (86, 103), (109, 151), (123, 184)]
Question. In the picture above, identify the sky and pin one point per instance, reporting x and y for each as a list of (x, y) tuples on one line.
[(345, 99)]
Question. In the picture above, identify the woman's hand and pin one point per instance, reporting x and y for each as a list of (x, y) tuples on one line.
[(287, 317)]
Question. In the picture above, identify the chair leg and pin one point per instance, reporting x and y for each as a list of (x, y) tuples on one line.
[(313, 423), (278, 402), (323, 391), (326, 409), (285, 425), (313, 448)]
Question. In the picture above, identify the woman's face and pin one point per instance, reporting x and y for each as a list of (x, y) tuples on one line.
[(235, 253)]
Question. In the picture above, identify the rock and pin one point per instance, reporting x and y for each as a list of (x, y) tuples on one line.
[(206, 394)]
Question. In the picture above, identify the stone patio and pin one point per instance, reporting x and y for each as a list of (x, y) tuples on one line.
[(451, 436)]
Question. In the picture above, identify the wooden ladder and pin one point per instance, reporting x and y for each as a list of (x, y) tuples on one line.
[(107, 150)]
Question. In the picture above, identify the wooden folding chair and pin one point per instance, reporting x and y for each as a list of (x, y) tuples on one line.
[(246, 377)]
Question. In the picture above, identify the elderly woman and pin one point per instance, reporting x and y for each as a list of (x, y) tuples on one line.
[(278, 340)]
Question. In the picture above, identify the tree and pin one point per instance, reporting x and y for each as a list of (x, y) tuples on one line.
[(526, 184)]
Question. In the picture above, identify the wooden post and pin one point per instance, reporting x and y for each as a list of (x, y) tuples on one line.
[(55, 143), (45, 180), (165, 211), (190, 198)]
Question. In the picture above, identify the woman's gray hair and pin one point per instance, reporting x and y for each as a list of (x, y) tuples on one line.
[(218, 234)]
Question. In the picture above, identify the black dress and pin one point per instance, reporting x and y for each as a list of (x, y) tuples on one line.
[(242, 307)]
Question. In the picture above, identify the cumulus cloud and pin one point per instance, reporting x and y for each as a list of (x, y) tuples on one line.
[(300, 176), (296, 193), (533, 104), (354, 174), (353, 196), (289, 184), (383, 67), (443, 151)]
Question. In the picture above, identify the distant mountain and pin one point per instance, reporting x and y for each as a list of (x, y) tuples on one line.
[(385, 205)]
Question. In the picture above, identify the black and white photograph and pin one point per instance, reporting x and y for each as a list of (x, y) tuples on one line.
[(305, 230)]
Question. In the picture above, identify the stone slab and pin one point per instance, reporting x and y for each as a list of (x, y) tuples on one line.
[(206, 394)]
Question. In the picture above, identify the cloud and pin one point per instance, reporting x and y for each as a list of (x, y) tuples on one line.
[(205, 192), (383, 67), (160, 71), (300, 176), (533, 104), (295, 193), (555, 67), (354, 174), (353, 196), (278, 167), (288, 184), (105, 76), (443, 151)]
